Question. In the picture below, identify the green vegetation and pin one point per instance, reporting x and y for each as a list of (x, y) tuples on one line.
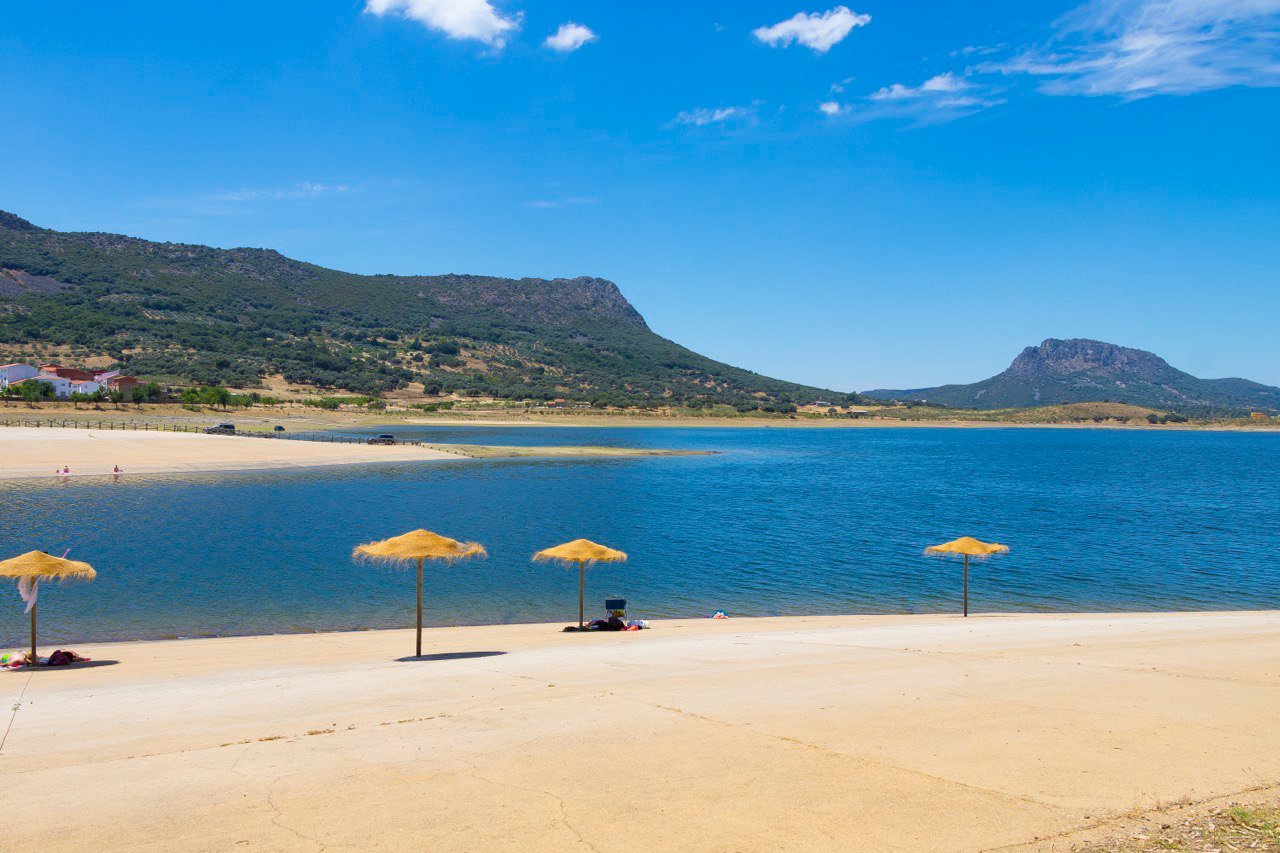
[(215, 317), (30, 392), (217, 396), (333, 403), (1239, 827)]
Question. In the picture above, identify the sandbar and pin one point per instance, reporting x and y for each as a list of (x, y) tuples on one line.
[(37, 453)]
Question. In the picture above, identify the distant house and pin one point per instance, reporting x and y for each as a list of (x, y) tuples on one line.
[(89, 387), (61, 385), (1260, 416), (822, 403), (116, 381), (558, 404), (11, 374), (72, 373)]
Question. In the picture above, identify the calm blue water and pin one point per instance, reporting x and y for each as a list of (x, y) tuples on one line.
[(781, 521)]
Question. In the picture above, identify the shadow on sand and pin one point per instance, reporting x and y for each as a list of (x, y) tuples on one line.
[(71, 667), (448, 656)]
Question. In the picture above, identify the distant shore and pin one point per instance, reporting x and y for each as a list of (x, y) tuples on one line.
[(1027, 731), (605, 421), (300, 418)]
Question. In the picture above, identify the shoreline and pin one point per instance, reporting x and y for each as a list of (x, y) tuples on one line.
[(762, 622), (38, 453), (302, 418), (860, 423), (924, 732), (28, 453)]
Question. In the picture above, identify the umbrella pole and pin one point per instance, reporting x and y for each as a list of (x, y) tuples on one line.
[(33, 636), (582, 591), (419, 654), (966, 584)]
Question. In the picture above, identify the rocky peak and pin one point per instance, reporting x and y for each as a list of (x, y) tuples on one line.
[(1080, 355)]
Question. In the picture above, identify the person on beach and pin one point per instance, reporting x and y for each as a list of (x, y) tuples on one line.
[(115, 469), (65, 472)]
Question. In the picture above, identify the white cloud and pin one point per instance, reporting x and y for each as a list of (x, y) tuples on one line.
[(553, 203), (1140, 48), (570, 37), (702, 116), (306, 189), (465, 20), (818, 30), (947, 82), (830, 108), (942, 98)]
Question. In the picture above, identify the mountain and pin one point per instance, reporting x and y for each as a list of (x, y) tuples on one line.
[(1084, 371), (204, 315)]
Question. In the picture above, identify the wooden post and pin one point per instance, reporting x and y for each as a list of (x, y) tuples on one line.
[(966, 585), (582, 589), (32, 661), (419, 607)]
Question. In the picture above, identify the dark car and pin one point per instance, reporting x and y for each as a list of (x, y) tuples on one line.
[(221, 429), (385, 438), (279, 428)]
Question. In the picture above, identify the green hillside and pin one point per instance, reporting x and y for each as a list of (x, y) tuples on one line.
[(233, 316)]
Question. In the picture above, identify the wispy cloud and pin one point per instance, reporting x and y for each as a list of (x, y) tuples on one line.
[(1141, 48), (941, 83), (819, 31), (704, 116), (303, 190), (570, 37), (941, 98), (552, 204), (464, 20)]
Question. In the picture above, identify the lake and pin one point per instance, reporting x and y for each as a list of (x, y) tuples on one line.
[(779, 521)]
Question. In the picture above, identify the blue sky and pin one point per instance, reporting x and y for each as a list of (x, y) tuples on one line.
[(874, 195)]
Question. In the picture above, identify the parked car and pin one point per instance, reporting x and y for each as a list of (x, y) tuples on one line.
[(279, 428), (221, 429), (385, 438)]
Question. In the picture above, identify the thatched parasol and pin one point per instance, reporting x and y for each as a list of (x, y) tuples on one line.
[(416, 546), (967, 547), (584, 552), (35, 566)]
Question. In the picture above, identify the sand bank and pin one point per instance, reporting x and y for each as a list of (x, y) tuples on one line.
[(873, 733), (27, 452)]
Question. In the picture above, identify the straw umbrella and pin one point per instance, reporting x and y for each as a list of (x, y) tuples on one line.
[(584, 552), (416, 546), (968, 547), (35, 566)]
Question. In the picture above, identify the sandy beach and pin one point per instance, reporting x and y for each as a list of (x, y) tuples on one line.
[(872, 733), (34, 453)]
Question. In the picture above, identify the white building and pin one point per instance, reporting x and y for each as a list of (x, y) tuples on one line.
[(85, 387), (61, 385), (10, 373)]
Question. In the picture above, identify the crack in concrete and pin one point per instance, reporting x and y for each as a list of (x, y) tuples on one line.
[(245, 743), (277, 816), (16, 706), (1269, 787), (853, 756), (564, 812)]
